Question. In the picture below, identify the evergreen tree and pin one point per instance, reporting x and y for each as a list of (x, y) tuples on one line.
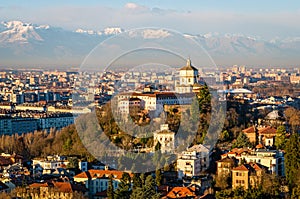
[(280, 137), (147, 191), (204, 99), (242, 141), (292, 159), (157, 146), (150, 188), (124, 188), (158, 177), (110, 188), (137, 181)]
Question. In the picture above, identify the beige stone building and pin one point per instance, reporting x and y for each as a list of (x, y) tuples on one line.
[(247, 175)]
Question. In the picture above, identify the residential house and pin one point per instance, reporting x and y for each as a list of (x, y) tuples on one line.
[(247, 175)]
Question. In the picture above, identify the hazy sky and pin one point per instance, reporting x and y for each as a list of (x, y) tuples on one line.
[(266, 18)]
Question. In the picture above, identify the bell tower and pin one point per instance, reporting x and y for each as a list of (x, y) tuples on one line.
[(187, 78)]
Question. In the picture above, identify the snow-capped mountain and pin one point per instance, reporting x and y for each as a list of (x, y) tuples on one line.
[(16, 31), (106, 31), (26, 44)]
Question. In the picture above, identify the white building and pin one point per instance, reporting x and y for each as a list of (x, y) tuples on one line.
[(127, 104), (97, 180), (272, 159), (166, 138), (50, 163), (152, 101), (192, 161)]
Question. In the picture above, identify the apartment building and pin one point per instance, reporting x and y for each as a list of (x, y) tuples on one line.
[(193, 161)]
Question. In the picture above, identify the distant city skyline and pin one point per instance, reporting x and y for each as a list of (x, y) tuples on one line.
[(267, 19)]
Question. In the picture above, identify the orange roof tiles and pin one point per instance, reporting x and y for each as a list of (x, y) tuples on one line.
[(84, 174), (250, 130), (38, 185), (256, 167), (63, 186), (267, 130), (251, 167), (240, 168), (101, 173), (181, 192)]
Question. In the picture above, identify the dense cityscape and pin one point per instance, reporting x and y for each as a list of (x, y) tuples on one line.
[(149, 99), (43, 157)]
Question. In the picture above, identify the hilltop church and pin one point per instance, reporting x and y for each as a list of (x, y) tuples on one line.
[(188, 78)]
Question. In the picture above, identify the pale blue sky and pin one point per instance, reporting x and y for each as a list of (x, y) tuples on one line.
[(242, 5), (266, 18)]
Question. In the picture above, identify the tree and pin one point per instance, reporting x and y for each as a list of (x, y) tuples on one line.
[(110, 188), (158, 177), (280, 138), (194, 111), (73, 163), (157, 146), (124, 188), (293, 117), (271, 185), (225, 136), (137, 181), (296, 189), (292, 159), (147, 191), (242, 141), (223, 181), (149, 188)]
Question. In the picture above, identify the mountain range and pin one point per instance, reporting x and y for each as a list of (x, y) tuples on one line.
[(26, 44)]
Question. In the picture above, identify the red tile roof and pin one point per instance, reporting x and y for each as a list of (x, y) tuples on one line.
[(38, 185), (240, 168), (181, 192), (63, 187), (93, 173), (267, 131), (256, 167), (251, 167), (250, 130)]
